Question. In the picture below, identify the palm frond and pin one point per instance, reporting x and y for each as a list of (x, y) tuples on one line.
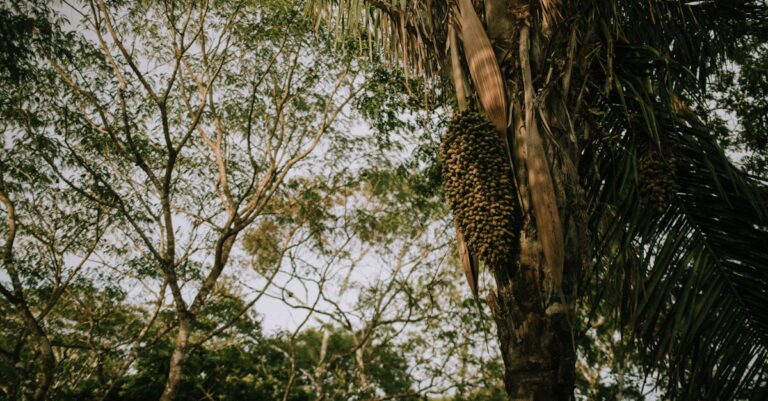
[(410, 33), (693, 277), (690, 281), (698, 35), (483, 67)]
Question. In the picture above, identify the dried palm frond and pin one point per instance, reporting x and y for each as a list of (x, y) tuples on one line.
[(402, 32), (483, 67), (469, 261), (541, 187), (460, 84)]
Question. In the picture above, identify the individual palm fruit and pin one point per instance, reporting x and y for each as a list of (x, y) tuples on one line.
[(479, 187), (657, 173)]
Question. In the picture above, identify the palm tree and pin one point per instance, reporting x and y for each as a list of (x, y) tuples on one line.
[(622, 192)]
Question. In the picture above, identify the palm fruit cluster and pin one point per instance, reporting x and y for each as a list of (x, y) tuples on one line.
[(657, 174), (479, 188)]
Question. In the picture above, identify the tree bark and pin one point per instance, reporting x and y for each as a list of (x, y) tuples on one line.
[(17, 297), (535, 339), (534, 319), (177, 358), (47, 358), (535, 327)]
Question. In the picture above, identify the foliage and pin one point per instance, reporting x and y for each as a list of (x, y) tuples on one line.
[(739, 91), (174, 175), (164, 177)]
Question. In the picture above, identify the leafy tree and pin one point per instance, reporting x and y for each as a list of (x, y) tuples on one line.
[(105, 140), (739, 91), (624, 195), (151, 172)]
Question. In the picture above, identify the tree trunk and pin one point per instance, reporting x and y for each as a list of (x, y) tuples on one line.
[(47, 358), (535, 325), (536, 340), (16, 297), (532, 306), (177, 358)]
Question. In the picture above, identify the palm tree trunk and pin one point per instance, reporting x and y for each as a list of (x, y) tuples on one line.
[(535, 325), (535, 293), (536, 341)]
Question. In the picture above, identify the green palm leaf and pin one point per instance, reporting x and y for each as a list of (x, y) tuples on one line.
[(692, 280)]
